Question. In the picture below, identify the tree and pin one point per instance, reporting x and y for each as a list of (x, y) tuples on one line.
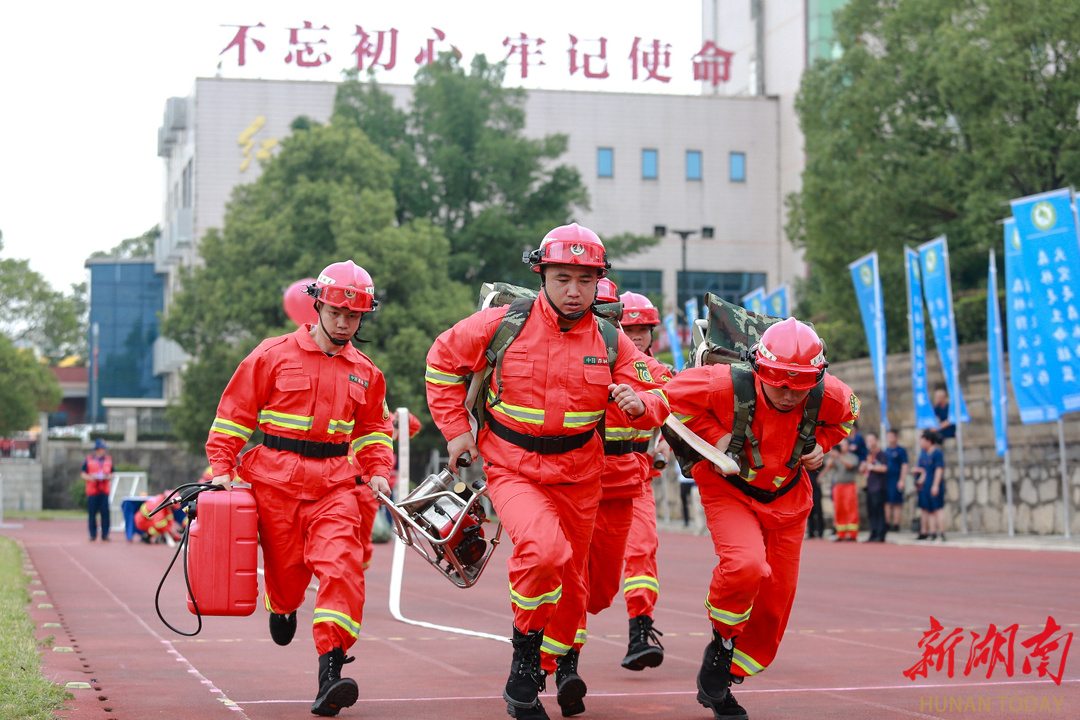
[(326, 196), (27, 387), (464, 164), (136, 247), (33, 314), (937, 113)]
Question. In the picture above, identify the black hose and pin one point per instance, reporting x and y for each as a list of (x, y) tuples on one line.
[(193, 490)]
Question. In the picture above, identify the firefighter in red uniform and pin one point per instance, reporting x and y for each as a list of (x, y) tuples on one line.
[(542, 456), (626, 470), (157, 525), (641, 584), (366, 502), (315, 398), (758, 518)]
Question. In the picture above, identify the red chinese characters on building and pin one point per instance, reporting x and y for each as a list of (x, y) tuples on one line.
[(650, 59), (365, 50), (1047, 651), (305, 54), (586, 65), (526, 48), (429, 54), (240, 41), (712, 64)]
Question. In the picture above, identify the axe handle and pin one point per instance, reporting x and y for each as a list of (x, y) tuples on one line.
[(721, 460)]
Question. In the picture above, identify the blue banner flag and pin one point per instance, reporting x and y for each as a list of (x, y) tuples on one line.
[(1029, 365), (924, 411), (691, 312), (755, 301), (673, 338), (867, 281), (999, 399), (937, 289), (776, 302), (1046, 224)]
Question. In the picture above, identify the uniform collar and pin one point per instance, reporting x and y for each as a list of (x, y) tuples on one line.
[(306, 342)]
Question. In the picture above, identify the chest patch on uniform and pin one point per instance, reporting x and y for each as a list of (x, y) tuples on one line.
[(592, 360), (853, 403), (643, 371), (353, 378)]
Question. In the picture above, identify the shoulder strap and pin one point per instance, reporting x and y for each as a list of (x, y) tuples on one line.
[(509, 328), (806, 439), (611, 340), (745, 396)]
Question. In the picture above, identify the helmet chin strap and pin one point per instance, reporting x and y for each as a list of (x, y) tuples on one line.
[(331, 338), (572, 317)]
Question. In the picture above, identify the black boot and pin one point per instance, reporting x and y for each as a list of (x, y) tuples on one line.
[(335, 692), (714, 679), (570, 687), (283, 627), (641, 653), (526, 676)]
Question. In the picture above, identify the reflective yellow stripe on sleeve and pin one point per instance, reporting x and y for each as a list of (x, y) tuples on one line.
[(437, 377), (372, 439), (228, 427)]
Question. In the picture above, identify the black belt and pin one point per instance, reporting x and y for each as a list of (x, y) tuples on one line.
[(759, 494), (625, 447), (307, 448), (540, 444)]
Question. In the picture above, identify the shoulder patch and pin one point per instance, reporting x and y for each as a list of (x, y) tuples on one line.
[(643, 371), (386, 410), (853, 403)]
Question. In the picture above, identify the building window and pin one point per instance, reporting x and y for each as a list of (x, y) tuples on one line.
[(738, 167), (649, 283), (648, 164), (820, 30), (605, 162), (729, 286), (693, 164)]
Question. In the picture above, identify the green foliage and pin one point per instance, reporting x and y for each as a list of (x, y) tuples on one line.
[(136, 247), (937, 113), (33, 314), (325, 197), (24, 692), (26, 388)]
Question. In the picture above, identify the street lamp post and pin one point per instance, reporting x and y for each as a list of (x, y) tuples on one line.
[(683, 235)]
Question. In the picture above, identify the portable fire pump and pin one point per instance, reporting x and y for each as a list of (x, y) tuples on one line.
[(443, 520)]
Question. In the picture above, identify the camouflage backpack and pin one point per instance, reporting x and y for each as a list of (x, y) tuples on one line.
[(726, 338), (521, 301)]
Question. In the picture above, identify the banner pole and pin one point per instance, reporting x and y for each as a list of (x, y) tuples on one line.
[(1064, 476), (1008, 493)]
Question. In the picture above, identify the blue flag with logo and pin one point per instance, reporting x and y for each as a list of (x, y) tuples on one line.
[(924, 411), (755, 301), (1046, 224), (867, 281), (937, 289), (999, 399), (776, 302), (673, 339), (691, 312), (1029, 365)]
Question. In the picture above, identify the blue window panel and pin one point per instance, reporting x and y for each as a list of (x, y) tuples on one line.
[(605, 162), (738, 167), (649, 164), (693, 164)]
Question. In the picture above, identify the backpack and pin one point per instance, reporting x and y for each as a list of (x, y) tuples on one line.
[(521, 301), (726, 337)]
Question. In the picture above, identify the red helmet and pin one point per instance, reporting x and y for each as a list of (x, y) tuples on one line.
[(570, 245), (606, 292), (637, 310), (345, 285), (789, 354)]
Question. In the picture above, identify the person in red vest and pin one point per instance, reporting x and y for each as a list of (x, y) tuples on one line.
[(97, 471), (757, 517), (319, 403), (542, 455)]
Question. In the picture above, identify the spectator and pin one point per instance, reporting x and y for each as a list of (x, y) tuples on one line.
[(876, 487), (941, 409), (930, 481), (857, 444), (845, 498), (896, 458), (97, 471), (5, 447)]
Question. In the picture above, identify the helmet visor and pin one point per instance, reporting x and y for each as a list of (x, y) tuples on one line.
[(562, 252), (346, 297), (797, 381), (641, 316)]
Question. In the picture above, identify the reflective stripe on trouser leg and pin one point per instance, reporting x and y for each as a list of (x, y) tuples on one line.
[(550, 526), (641, 584), (335, 554)]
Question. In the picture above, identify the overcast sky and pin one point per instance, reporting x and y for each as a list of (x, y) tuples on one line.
[(83, 87)]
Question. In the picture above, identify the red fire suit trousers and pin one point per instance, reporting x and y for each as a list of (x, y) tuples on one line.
[(640, 584), (753, 584), (845, 510), (300, 538)]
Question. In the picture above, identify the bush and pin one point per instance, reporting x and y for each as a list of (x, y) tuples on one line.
[(78, 493)]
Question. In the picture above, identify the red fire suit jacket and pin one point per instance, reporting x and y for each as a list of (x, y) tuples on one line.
[(704, 399), (627, 475), (555, 383), (289, 387)]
